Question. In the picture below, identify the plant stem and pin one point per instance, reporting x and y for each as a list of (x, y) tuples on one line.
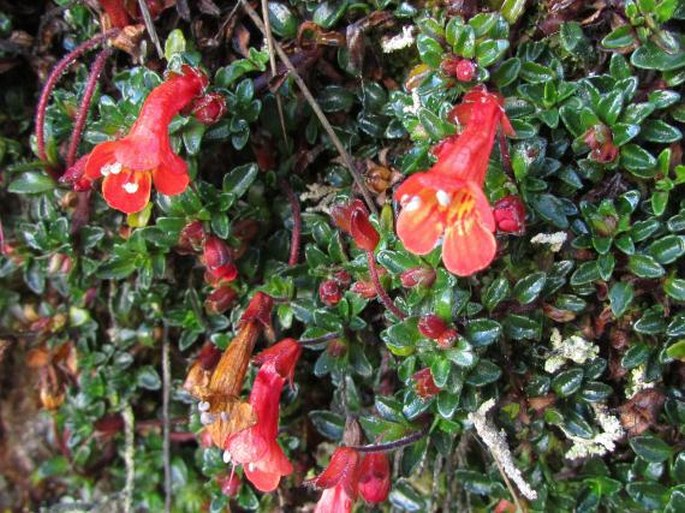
[(297, 223), (396, 444), (382, 294), (317, 110), (166, 440), (50, 83), (82, 114)]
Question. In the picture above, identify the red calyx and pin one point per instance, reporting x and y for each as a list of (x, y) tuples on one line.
[(209, 108), (424, 385), (431, 326), (219, 261), (220, 300), (417, 276), (330, 293), (353, 219), (510, 215)]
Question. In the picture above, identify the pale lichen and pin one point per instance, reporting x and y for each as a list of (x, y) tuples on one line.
[(636, 381), (399, 41), (496, 441), (555, 240), (574, 348), (600, 444)]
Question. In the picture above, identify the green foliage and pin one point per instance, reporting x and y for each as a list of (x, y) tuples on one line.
[(577, 329)]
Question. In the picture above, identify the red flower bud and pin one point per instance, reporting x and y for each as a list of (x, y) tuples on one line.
[(431, 326), (330, 293), (191, 238), (599, 139), (362, 231), (446, 340), (209, 108), (449, 65), (343, 278), (465, 70), (424, 385), (219, 261), (353, 219), (220, 300), (365, 289), (417, 276), (374, 477), (510, 215), (75, 175)]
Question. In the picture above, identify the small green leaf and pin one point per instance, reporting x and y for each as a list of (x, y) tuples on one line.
[(528, 289), (238, 181), (567, 382), (645, 266), (620, 296), (620, 37), (650, 448), (32, 182), (637, 160)]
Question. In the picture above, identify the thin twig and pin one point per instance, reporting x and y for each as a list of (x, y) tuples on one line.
[(347, 159), (297, 223), (504, 153), (166, 441), (82, 114), (395, 444), (150, 26), (272, 64), (54, 76), (382, 294), (129, 456)]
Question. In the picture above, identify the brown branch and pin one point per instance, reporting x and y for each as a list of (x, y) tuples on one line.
[(382, 294)]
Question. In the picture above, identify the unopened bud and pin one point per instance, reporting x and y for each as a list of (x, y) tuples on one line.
[(218, 259), (431, 326), (209, 108), (220, 300), (424, 276), (365, 289), (510, 215), (424, 385), (191, 238), (465, 70), (330, 293)]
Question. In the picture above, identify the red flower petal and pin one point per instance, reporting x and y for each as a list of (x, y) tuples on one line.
[(127, 191), (419, 228), (102, 155), (468, 249), (171, 177)]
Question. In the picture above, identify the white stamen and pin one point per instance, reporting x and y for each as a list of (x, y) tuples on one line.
[(203, 406), (130, 187), (443, 197), (414, 204), (250, 467), (225, 416), (206, 418), (226, 457), (114, 168)]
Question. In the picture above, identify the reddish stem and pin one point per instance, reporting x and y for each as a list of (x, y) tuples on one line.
[(382, 294), (504, 152), (82, 114), (297, 224), (54, 76)]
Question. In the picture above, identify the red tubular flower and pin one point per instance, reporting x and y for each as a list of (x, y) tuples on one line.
[(116, 12), (256, 447), (510, 215), (448, 199), (340, 481), (218, 259), (353, 219), (374, 477), (130, 165)]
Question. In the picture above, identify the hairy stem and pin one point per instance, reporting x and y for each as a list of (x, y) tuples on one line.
[(53, 77), (395, 444), (84, 107)]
